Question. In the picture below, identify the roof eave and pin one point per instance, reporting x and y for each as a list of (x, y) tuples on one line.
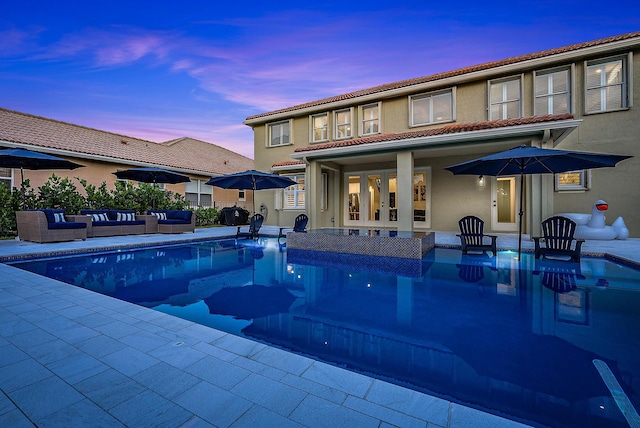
[(564, 126)]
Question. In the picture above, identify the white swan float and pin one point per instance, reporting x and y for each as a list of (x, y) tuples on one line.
[(592, 226)]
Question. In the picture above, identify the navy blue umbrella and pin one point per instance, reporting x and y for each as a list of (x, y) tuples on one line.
[(152, 175), (26, 159), (533, 160), (253, 180)]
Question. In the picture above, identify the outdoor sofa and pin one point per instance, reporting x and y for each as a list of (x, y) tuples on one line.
[(49, 225), (116, 222), (174, 221)]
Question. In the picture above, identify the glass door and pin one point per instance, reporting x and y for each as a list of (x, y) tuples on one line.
[(504, 209)]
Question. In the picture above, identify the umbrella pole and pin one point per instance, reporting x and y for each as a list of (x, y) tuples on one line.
[(520, 214)]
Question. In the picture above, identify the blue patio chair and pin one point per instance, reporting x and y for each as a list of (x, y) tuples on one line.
[(254, 228), (472, 235), (557, 234), (300, 226)]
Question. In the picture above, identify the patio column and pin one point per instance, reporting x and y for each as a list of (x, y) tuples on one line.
[(405, 191), (313, 193)]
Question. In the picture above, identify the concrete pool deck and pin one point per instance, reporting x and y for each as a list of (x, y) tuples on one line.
[(72, 357)]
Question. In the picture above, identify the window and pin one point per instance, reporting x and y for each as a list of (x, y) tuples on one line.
[(573, 180), (504, 99), (431, 108), (606, 85), (370, 119), (279, 134), (5, 176), (552, 92), (294, 195), (242, 195), (319, 127), (342, 120), (198, 193)]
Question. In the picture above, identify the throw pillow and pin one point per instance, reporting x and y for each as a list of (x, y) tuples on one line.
[(161, 216), (58, 217), (125, 216), (99, 217)]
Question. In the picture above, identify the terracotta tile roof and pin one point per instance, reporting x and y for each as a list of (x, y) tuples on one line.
[(83, 142), (288, 163), (448, 129), (448, 74)]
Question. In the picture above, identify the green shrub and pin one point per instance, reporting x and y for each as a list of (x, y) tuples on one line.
[(206, 216)]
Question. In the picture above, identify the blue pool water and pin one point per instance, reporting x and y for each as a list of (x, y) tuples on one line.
[(519, 343)]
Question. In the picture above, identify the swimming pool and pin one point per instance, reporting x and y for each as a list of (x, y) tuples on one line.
[(472, 329)]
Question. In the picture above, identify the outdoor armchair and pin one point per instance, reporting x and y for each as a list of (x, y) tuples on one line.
[(557, 239), (300, 225), (49, 225), (472, 235), (254, 228)]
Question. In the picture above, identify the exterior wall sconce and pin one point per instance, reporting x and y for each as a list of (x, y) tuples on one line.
[(481, 181)]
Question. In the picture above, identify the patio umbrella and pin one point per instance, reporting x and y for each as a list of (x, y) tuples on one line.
[(251, 179), (533, 160), (27, 159), (153, 176)]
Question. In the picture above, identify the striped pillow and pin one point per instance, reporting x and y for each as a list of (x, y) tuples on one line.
[(59, 217), (161, 216), (99, 217), (125, 216)]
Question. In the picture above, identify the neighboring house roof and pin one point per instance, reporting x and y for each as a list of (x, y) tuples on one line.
[(449, 74), (185, 154)]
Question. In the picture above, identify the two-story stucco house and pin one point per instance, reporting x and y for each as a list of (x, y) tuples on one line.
[(375, 158)]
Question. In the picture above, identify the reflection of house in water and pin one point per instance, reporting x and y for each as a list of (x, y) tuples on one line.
[(492, 344)]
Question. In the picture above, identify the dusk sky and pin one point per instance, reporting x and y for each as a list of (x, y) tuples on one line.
[(162, 70)]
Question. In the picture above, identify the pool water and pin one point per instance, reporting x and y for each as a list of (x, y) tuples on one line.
[(519, 343)]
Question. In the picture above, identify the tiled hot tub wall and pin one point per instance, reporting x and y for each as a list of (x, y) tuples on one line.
[(408, 247)]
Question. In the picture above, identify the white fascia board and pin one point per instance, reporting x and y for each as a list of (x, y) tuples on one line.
[(517, 67), (440, 140), (294, 167)]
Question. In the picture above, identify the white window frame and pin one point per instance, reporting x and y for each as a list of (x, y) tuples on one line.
[(313, 128), (294, 191), (626, 84), (504, 100), (430, 96), (7, 178), (242, 195), (337, 125), (201, 188), (585, 182), (550, 94), (270, 128), (364, 121)]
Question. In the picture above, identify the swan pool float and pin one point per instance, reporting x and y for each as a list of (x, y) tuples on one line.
[(592, 226)]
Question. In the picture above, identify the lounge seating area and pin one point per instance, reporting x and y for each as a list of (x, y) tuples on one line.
[(174, 221), (113, 223), (55, 225), (50, 225)]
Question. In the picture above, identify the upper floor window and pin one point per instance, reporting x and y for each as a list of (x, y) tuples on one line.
[(279, 134), (5, 176), (552, 92), (505, 98), (573, 180), (431, 108), (606, 85), (343, 120), (370, 119), (198, 193), (319, 127)]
